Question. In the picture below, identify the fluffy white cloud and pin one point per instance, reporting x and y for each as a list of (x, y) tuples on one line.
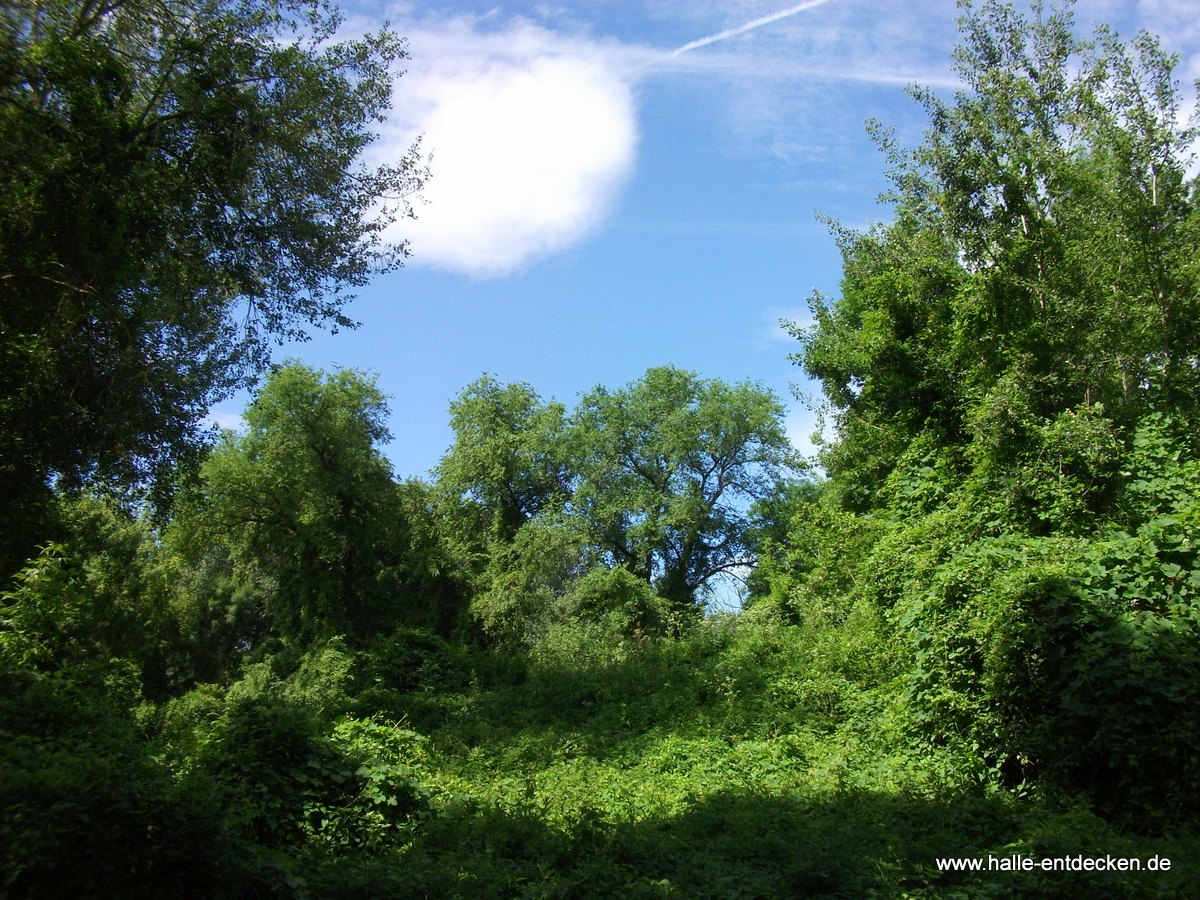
[(531, 135), (532, 130)]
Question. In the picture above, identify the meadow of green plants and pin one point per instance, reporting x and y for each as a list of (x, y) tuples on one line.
[(260, 665)]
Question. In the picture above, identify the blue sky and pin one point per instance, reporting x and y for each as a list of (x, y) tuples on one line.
[(619, 185)]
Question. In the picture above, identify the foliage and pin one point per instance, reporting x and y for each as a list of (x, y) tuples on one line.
[(621, 603), (181, 184), (305, 500), (653, 479), (88, 811), (507, 464), (1034, 296), (746, 757), (81, 647), (99, 597), (290, 784), (665, 463), (397, 665), (1010, 367), (435, 568), (524, 581), (976, 637)]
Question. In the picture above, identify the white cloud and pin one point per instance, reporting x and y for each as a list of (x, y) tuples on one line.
[(533, 128), (531, 137), (533, 132), (753, 24)]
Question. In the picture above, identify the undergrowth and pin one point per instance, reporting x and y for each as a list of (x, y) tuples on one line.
[(748, 759)]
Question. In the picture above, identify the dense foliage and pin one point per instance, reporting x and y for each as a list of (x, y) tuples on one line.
[(1012, 371), (646, 486), (977, 635), (180, 184)]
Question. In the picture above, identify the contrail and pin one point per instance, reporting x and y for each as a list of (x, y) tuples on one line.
[(749, 26)]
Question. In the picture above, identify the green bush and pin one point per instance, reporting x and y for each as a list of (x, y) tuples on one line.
[(1076, 660), (88, 808), (294, 785), (620, 603)]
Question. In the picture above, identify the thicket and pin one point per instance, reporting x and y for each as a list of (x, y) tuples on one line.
[(1011, 370), (976, 633)]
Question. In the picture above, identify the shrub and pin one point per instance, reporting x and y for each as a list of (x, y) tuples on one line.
[(620, 602)]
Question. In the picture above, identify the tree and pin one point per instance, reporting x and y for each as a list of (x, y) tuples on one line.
[(1036, 294), (95, 606), (302, 507), (655, 479), (1013, 367), (667, 467), (180, 184), (507, 460)]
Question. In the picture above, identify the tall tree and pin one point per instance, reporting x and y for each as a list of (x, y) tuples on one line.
[(1014, 368), (1036, 294), (303, 506), (667, 468), (507, 462), (180, 184)]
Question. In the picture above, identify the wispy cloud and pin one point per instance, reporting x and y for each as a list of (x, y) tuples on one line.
[(532, 129), (532, 132), (748, 26)]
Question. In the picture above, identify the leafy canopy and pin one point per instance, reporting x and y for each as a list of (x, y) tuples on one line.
[(507, 459), (302, 508), (180, 184), (654, 478), (668, 465), (1036, 293), (1013, 368)]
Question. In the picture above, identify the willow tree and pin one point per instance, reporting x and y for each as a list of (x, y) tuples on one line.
[(667, 468), (507, 464), (300, 511)]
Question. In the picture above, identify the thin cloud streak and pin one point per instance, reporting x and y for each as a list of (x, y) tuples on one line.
[(748, 26), (766, 67)]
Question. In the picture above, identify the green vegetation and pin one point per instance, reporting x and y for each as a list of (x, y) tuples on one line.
[(976, 635), (179, 187)]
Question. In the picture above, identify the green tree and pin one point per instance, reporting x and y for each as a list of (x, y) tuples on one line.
[(773, 536), (501, 489), (667, 467), (180, 184), (95, 606), (506, 465), (1036, 294), (301, 510), (1013, 369)]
